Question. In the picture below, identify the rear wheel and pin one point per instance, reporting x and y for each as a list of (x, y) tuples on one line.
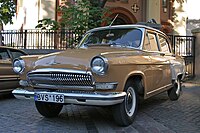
[(125, 112), (175, 92), (48, 109)]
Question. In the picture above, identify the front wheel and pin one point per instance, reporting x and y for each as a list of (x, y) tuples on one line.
[(125, 112), (175, 92), (48, 109)]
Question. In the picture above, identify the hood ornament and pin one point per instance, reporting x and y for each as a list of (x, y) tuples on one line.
[(53, 62)]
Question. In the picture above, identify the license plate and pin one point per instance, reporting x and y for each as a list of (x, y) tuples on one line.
[(46, 97)]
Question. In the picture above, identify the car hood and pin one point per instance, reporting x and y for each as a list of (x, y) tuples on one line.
[(79, 59)]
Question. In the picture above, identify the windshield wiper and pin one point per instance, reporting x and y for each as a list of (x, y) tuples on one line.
[(99, 44)]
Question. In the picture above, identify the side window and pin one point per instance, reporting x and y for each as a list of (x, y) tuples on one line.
[(151, 42), (163, 44), (147, 45), (4, 54), (16, 53)]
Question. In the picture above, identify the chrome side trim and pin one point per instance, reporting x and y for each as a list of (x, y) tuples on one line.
[(95, 98), (8, 79), (6, 90), (148, 93)]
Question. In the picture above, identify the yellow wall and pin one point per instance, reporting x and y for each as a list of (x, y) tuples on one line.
[(30, 11), (153, 10)]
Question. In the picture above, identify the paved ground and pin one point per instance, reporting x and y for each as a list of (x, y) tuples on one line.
[(156, 115)]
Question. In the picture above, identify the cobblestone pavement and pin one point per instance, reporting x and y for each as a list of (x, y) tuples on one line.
[(156, 115)]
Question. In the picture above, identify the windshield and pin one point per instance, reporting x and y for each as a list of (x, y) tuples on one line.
[(130, 38)]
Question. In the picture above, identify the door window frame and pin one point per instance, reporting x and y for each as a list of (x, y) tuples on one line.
[(148, 39), (167, 41)]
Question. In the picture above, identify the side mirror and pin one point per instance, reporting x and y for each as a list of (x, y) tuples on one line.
[(1, 57)]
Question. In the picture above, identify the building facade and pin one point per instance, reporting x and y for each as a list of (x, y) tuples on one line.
[(129, 12), (133, 11)]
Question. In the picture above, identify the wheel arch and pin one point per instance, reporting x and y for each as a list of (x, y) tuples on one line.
[(134, 76), (180, 76)]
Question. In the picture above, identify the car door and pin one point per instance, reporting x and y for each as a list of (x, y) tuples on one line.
[(175, 62), (8, 78), (160, 65)]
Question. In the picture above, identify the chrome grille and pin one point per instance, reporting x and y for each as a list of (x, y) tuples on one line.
[(76, 91), (60, 79), (71, 79)]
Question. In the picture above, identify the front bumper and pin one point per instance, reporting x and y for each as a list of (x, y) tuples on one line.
[(93, 98)]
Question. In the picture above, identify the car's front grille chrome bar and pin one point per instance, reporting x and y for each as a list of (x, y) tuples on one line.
[(61, 79)]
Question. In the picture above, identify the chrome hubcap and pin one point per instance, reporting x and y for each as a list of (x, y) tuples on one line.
[(130, 101)]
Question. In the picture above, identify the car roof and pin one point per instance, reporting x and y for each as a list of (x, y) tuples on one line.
[(125, 26)]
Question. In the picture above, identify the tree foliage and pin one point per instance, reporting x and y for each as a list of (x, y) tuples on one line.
[(47, 23), (82, 15), (7, 11)]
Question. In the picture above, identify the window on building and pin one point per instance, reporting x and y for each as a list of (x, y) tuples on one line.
[(164, 5)]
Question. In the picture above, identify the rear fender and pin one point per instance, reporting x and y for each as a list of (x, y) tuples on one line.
[(177, 68)]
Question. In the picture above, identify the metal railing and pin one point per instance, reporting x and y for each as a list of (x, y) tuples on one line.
[(41, 39), (63, 39), (185, 47)]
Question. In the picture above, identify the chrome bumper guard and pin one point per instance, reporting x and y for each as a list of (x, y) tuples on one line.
[(99, 99)]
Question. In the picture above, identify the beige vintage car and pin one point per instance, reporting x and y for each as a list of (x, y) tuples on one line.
[(112, 66), (9, 80)]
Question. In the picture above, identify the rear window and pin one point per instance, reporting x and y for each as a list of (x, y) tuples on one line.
[(164, 45)]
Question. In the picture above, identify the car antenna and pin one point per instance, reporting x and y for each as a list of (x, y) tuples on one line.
[(113, 20), (108, 35)]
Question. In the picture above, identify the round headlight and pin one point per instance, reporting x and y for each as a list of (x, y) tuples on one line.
[(99, 65), (18, 65)]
